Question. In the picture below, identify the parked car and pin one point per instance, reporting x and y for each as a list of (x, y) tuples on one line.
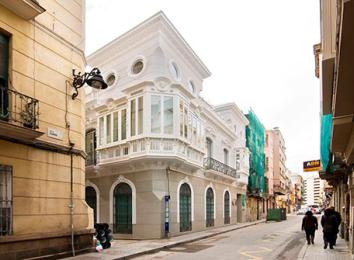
[(301, 211), (315, 209)]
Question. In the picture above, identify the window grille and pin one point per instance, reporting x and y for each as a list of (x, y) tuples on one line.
[(5, 200)]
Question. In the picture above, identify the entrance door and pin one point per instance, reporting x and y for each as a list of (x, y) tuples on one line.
[(227, 208), (185, 208), (209, 207), (123, 209), (91, 200)]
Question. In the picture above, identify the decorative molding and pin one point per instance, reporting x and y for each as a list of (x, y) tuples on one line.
[(162, 84)]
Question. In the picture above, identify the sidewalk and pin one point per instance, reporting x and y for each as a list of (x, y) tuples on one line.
[(316, 251), (122, 249)]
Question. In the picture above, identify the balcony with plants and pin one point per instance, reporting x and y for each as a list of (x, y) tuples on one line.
[(19, 115)]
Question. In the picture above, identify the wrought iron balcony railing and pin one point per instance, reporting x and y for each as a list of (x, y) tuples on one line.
[(212, 164), (18, 108)]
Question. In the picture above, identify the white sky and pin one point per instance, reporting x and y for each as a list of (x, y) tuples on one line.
[(259, 53)]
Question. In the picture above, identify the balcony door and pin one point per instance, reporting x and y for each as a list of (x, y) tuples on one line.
[(209, 146), (4, 67)]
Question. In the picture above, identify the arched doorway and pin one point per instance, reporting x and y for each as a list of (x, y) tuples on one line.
[(91, 200), (185, 208), (209, 207), (122, 208), (227, 208)]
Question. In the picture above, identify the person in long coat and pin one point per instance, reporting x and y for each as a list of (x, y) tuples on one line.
[(309, 224), (329, 226)]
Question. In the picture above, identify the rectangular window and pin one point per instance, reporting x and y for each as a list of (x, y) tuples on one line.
[(115, 126), (155, 114), (90, 145), (168, 115), (5, 200), (124, 124), (108, 129), (185, 122), (140, 115), (101, 129), (132, 117), (181, 119), (4, 72)]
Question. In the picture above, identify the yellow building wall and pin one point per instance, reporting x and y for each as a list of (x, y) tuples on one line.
[(43, 53)]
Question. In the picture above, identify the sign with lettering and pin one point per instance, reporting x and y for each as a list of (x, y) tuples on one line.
[(312, 166), (54, 133)]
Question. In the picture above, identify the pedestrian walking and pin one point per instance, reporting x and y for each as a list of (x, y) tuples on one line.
[(339, 221), (309, 224), (329, 225)]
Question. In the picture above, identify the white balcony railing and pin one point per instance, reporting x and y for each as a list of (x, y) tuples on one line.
[(160, 147)]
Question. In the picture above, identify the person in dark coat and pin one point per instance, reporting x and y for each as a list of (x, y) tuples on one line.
[(329, 225), (309, 224), (339, 221)]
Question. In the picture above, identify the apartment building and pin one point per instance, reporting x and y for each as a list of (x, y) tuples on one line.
[(276, 159), (161, 160), (313, 190), (334, 66), (42, 159)]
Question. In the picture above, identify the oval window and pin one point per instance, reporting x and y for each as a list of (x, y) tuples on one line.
[(111, 79), (137, 67)]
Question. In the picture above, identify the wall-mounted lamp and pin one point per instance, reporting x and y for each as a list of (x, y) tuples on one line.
[(92, 78)]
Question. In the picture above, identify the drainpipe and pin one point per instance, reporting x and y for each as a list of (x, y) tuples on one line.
[(71, 206), (167, 204)]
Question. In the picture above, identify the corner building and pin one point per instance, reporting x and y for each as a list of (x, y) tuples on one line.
[(40, 204), (150, 137)]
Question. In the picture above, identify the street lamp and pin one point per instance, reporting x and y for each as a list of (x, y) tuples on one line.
[(92, 78)]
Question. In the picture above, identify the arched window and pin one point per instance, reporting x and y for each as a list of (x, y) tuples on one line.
[(185, 208), (122, 209), (227, 208), (209, 146), (91, 200), (209, 207)]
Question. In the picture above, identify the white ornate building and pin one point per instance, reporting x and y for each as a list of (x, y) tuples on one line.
[(151, 137)]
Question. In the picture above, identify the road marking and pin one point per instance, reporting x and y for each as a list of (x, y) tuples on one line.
[(255, 257)]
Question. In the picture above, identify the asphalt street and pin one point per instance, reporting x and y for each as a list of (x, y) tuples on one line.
[(271, 240)]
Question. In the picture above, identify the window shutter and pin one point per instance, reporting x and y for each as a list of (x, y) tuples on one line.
[(4, 59)]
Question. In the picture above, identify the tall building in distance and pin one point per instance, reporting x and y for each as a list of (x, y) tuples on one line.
[(313, 190), (275, 161)]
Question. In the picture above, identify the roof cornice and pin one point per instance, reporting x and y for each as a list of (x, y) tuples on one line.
[(158, 23), (233, 107)]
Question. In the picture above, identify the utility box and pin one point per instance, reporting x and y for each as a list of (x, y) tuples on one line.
[(274, 215), (283, 213)]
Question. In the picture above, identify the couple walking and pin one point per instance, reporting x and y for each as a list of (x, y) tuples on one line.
[(330, 222)]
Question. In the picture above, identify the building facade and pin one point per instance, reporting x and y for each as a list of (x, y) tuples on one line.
[(257, 190), (42, 159), (276, 158), (161, 160), (313, 190), (334, 63)]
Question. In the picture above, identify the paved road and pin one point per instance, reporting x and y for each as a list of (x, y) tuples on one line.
[(274, 240)]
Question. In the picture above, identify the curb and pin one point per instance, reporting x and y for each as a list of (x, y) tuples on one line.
[(173, 244)]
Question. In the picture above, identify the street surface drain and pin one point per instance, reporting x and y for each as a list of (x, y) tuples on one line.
[(190, 248)]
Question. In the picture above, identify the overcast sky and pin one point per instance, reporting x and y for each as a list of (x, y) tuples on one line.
[(259, 53)]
